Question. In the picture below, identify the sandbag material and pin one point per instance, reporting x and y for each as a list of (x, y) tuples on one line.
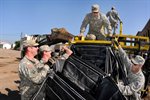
[(61, 33)]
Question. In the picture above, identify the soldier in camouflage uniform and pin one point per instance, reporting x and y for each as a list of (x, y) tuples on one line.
[(135, 76), (113, 18), (96, 21), (56, 63), (31, 71)]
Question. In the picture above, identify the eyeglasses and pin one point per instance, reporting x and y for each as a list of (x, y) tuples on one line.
[(133, 63), (35, 46), (47, 51), (95, 12)]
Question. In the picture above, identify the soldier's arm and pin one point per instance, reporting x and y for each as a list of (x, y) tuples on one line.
[(106, 24), (127, 62), (60, 62), (117, 15), (123, 55), (84, 24), (39, 76), (107, 14), (33, 74), (132, 88)]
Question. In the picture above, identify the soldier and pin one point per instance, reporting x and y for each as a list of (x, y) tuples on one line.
[(96, 21), (31, 71), (113, 18), (57, 62), (135, 75)]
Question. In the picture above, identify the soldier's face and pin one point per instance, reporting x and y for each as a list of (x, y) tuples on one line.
[(34, 50), (95, 13), (135, 68), (48, 54)]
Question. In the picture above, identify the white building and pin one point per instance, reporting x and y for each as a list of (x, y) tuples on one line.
[(5, 45)]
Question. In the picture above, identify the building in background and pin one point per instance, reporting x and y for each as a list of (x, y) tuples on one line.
[(145, 31), (5, 45)]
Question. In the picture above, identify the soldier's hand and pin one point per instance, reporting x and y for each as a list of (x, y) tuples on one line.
[(51, 73), (46, 67), (121, 22), (67, 50), (81, 34), (110, 35)]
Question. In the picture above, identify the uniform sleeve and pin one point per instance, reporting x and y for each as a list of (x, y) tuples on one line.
[(33, 74), (107, 14), (125, 59), (84, 24), (117, 15), (132, 88), (106, 24), (59, 65)]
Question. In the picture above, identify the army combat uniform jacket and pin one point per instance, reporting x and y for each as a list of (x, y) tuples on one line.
[(113, 17), (32, 73), (136, 81), (95, 25)]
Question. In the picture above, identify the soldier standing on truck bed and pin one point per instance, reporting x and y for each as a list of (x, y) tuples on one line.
[(96, 21), (113, 18)]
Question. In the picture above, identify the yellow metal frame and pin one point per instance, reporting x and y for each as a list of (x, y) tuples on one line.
[(121, 28), (83, 41), (126, 41), (123, 42), (135, 44)]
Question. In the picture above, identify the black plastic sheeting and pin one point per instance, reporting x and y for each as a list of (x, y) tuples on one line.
[(89, 74), (80, 81)]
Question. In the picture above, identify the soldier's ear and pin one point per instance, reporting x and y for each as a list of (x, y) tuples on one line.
[(28, 48)]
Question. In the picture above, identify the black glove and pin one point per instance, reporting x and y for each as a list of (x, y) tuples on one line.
[(115, 42), (121, 22), (51, 73)]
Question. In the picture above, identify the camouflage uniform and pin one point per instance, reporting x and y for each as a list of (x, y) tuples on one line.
[(136, 81), (57, 62), (113, 18), (32, 73), (96, 23)]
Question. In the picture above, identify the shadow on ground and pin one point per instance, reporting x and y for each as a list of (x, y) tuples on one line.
[(12, 95)]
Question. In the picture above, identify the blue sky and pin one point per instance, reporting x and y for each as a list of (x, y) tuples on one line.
[(40, 16)]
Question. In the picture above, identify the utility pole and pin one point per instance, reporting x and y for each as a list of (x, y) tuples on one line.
[(21, 44), (21, 36)]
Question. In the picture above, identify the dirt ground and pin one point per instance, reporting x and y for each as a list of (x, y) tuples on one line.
[(9, 80)]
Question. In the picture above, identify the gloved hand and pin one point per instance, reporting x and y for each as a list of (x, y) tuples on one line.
[(51, 73), (81, 34), (46, 67), (110, 35), (121, 22), (115, 42)]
